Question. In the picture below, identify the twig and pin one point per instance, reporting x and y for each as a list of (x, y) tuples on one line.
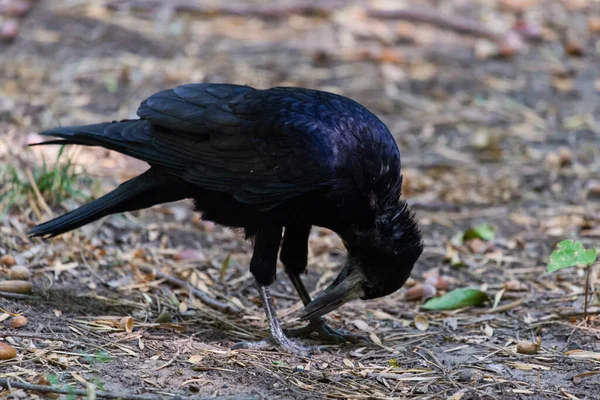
[(587, 288), (8, 384), (321, 8), (29, 335), (452, 22), (10, 295), (203, 297)]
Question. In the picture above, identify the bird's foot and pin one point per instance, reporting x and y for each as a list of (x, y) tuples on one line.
[(326, 333), (283, 342)]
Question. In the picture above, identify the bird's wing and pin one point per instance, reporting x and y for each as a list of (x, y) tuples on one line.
[(263, 146)]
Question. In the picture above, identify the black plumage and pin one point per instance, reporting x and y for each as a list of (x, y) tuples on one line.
[(265, 161)]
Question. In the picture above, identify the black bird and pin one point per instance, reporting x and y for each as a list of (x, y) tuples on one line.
[(268, 160)]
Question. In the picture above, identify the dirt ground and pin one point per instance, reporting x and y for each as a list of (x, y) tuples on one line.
[(499, 129)]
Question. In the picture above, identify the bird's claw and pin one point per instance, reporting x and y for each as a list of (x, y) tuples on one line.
[(284, 343), (326, 333)]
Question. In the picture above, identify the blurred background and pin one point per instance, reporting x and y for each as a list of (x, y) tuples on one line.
[(494, 104)]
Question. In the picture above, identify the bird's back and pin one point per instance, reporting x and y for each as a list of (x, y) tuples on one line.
[(256, 149)]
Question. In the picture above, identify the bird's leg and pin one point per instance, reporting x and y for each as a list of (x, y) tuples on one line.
[(263, 266), (294, 256)]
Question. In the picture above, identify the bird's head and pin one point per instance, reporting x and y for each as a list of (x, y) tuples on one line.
[(380, 259)]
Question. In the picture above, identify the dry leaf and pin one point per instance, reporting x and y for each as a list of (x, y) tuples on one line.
[(375, 339), (458, 395), (528, 367), (196, 359), (489, 331), (377, 314), (585, 354), (421, 322), (362, 325), (498, 297)]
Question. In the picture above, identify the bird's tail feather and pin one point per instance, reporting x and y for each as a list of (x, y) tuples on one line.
[(143, 191), (90, 135)]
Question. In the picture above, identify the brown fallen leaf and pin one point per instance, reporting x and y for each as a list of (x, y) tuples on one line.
[(585, 354), (421, 322)]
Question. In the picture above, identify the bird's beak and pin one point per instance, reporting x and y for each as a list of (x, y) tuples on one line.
[(347, 286)]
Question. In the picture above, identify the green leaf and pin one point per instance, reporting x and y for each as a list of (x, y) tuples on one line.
[(53, 379), (394, 363), (569, 253), (482, 231), (102, 356), (71, 394), (485, 232), (457, 298)]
